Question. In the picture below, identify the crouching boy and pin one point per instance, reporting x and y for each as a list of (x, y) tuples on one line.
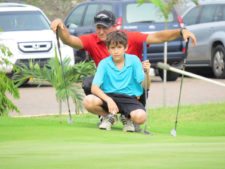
[(117, 86)]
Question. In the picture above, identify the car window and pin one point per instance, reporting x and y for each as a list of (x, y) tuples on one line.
[(92, 9), (223, 13), (76, 16), (23, 21), (192, 16), (219, 15), (137, 13), (207, 14)]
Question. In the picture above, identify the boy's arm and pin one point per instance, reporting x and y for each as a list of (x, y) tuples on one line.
[(110, 103), (147, 81)]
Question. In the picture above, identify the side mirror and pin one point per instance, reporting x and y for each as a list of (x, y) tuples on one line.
[(72, 28)]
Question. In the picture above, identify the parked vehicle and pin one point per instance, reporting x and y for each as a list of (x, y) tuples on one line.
[(131, 16), (26, 31), (207, 22)]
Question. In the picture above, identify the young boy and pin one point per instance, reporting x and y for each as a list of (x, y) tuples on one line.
[(117, 85)]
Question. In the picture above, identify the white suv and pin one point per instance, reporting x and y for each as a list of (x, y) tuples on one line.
[(26, 31)]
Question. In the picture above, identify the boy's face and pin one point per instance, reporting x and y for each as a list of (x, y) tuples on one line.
[(117, 51)]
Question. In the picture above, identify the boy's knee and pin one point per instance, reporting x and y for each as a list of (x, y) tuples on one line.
[(87, 101), (138, 116)]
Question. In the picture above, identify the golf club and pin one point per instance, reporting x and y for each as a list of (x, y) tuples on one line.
[(69, 120), (146, 90), (169, 68), (173, 132)]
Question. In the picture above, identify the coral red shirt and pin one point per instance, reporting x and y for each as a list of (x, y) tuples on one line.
[(97, 49)]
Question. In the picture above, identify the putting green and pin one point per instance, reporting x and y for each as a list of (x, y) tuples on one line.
[(55, 154), (50, 143)]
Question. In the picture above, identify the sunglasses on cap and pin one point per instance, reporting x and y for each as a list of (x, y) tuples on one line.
[(102, 18)]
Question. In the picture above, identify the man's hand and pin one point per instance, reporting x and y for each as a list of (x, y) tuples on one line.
[(57, 23), (187, 34)]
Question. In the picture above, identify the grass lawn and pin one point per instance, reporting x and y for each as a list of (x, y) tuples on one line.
[(50, 143)]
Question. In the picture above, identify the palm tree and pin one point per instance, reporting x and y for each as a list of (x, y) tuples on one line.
[(53, 74)]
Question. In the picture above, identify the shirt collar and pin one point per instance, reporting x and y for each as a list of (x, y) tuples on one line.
[(112, 64), (98, 40)]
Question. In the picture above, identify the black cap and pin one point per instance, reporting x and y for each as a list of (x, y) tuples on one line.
[(105, 18)]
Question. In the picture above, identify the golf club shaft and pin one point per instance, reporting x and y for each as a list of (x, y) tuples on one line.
[(173, 69), (63, 73), (146, 84), (181, 84)]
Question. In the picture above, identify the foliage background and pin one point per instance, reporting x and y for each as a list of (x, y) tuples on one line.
[(52, 8), (60, 8)]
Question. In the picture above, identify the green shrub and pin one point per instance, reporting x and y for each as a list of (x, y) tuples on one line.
[(7, 86)]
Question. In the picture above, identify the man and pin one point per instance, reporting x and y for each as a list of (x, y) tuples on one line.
[(117, 85)]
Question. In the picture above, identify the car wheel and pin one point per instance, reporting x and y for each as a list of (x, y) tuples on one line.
[(171, 76), (218, 62)]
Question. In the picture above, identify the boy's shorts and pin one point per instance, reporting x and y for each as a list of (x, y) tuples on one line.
[(125, 103), (87, 82)]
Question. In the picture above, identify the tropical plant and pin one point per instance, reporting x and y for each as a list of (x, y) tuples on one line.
[(7, 86), (65, 81)]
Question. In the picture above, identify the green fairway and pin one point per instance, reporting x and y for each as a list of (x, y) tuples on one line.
[(50, 143)]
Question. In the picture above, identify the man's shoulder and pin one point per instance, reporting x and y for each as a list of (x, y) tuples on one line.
[(134, 36), (92, 36), (132, 33)]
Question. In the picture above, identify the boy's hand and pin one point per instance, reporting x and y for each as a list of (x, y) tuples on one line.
[(112, 106), (146, 66)]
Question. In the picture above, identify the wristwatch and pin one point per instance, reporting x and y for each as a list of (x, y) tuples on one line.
[(181, 32)]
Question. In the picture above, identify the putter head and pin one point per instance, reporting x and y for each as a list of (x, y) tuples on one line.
[(146, 132), (70, 121), (173, 132)]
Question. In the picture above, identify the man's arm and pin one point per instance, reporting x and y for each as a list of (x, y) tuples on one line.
[(169, 35), (111, 104), (64, 34)]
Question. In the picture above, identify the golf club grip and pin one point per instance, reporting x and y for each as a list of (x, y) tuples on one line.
[(57, 37), (186, 47), (163, 66), (144, 51)]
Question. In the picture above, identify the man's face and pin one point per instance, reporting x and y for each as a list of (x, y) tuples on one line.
[(102, 31)]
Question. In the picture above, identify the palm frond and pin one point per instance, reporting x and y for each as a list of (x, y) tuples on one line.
[(64, 84)]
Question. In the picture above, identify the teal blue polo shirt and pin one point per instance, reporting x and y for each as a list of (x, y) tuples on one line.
[(125, 81)]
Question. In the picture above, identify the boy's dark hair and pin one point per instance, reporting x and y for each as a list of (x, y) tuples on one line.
[(116, 37)]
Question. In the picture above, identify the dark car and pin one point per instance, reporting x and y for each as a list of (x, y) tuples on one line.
[(131, 16)]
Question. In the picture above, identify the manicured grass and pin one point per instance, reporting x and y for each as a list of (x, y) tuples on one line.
[(50, 143)]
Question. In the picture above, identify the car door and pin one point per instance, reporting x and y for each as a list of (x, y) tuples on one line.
[(200, 21)]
